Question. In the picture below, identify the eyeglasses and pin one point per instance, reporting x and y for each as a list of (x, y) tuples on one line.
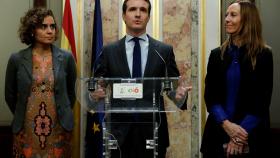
[(45, 26)]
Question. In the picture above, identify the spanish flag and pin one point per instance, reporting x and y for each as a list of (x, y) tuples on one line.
[(68, 37), (68, 43)]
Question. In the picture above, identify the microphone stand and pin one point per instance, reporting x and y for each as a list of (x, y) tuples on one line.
[(92, 84), (166, 84)]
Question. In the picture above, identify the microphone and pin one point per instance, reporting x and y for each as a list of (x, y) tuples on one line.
[(92, 82), (166, 85)]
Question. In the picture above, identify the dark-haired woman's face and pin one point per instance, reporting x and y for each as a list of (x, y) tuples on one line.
[(233, 18), (45, 33)]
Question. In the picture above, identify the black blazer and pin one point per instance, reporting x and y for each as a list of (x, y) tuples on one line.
[(19, 79), (113, 63), (253, 97)]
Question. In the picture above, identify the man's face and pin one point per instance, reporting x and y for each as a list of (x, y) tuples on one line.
[(136, 17)]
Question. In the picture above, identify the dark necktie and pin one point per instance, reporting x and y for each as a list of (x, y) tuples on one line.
[(136, 66)]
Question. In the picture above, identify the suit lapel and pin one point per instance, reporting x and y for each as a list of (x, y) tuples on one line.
[(27, 61), (57, 60), (151, 56), (123, 60)]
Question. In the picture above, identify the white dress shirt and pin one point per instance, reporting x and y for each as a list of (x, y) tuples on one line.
[(129, 46)]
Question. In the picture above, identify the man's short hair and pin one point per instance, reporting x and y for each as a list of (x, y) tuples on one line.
[(124, 7)]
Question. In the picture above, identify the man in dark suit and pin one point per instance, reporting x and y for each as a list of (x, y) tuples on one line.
[(156, 60)]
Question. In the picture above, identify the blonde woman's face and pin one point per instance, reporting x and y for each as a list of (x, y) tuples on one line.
[(232, 19)]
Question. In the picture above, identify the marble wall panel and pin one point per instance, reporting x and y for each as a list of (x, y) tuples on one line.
[(180, 30), (110, 24)]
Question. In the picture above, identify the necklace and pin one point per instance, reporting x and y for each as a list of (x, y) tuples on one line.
[(42, 56)]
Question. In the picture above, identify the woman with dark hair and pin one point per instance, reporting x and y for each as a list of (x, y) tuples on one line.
[(238, 88), (40, 90)]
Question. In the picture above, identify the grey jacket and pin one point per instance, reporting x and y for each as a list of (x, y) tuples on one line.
[(19, 79)]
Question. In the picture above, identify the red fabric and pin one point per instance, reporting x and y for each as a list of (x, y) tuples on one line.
[(67, 26)]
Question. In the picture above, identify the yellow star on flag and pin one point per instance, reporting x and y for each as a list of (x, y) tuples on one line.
[(95, 128)]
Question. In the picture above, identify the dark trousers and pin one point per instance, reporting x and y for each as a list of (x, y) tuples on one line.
[(134, 146)]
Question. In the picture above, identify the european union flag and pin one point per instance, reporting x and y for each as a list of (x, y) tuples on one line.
[(94, 141), (97, 35)]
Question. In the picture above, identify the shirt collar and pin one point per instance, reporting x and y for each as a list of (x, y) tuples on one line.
[(143, 37)]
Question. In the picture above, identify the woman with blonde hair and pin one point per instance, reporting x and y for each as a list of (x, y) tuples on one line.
[(238, 88)]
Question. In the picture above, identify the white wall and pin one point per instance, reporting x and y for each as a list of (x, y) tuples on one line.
[(209, 37), (210, 34), (213, 27), (10, 12)]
